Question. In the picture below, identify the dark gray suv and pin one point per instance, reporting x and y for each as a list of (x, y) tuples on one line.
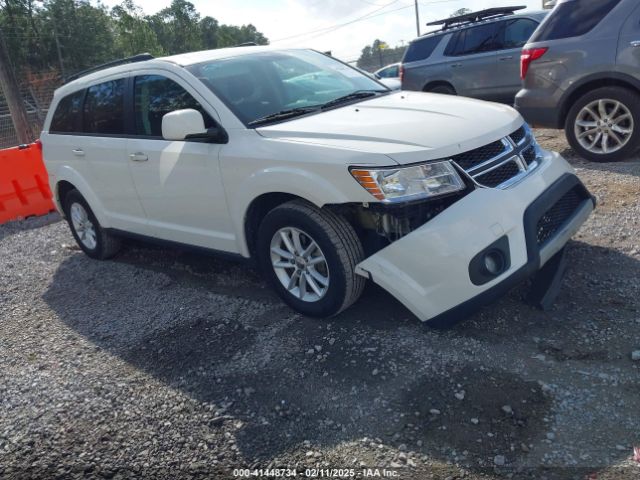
[(475, 55), (581, 72)]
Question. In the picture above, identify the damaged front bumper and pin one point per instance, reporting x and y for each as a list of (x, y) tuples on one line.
[(438, 271)]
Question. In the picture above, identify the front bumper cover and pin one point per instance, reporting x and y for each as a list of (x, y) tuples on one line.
[(428, 270)]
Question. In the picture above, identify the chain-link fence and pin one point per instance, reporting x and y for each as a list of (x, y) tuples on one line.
[(37, 92)]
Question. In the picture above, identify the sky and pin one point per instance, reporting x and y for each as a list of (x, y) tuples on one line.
[(320, 24)]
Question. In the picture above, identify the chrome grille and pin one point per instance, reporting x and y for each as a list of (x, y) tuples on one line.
[(502, 163)]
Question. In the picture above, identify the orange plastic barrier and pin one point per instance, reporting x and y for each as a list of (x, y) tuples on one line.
[(24, 184)]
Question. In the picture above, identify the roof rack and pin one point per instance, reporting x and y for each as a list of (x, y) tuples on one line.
[(136, 58), (476, 16), (247, 44)]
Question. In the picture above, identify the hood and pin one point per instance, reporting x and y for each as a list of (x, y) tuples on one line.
[(408, 127)]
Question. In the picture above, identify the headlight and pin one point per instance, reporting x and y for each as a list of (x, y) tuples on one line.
[(409, 183)]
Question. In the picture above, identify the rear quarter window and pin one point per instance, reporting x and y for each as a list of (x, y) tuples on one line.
[(66, 118), (572, 19), (421, 49)]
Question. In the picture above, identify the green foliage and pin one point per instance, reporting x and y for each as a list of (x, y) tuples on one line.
[(72, 35), (460, 11), (374, 57)]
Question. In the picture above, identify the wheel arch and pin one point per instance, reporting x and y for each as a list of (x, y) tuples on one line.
[(67, 180), (590, 83), (272, 187), (438, 83)]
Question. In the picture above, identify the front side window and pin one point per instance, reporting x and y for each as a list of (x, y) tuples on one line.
[(66, 118), (256, 85), (516, 33), (155, 96), (572, 19), (104, 108), (473, 40)]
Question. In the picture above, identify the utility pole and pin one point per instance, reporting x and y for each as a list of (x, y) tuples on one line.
[(11, 92), (417, 18)]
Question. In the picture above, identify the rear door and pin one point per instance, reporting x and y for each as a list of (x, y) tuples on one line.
[(629, 44), (179, 182), (102, 147), (512, 36), (471, 58)]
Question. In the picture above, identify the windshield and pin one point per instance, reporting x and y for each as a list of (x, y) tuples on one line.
[(264, 84)]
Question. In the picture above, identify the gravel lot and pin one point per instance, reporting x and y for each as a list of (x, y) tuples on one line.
[(167, 364)]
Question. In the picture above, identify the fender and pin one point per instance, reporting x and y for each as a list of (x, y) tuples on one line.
[(66, 173), (298, 182), (611, 76)]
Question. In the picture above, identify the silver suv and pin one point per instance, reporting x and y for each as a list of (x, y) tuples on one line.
[(581, 72), (474, 55)]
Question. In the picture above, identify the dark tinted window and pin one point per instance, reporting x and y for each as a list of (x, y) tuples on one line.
[(421, 49), (155, 96), (572, 19), (66, 117), (516, 33), (473, 40), (104, 108)]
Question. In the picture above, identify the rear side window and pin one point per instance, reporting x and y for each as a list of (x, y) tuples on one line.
[(516, 33), (155, 96), (421, 49), (572, 19), (482, 38), (104, 108), (66, 118)]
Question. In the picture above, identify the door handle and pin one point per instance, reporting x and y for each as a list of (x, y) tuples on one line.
[(635, 43), (504, 59), (78, 152), (138, 157), (456, 65)]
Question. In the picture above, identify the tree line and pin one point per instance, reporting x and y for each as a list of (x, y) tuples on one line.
[(71, 35)]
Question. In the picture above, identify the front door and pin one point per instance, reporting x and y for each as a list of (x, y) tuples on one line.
[(178, 182)]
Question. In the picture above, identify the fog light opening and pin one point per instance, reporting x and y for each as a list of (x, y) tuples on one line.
[(494, 262)]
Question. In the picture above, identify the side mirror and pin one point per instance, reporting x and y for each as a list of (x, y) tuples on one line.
[(188, 125), (180, 124), (377, 76)]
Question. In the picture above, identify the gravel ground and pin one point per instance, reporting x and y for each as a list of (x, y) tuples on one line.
[(165, 364)]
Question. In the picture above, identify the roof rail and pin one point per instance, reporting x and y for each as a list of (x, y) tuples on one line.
[(136, 58), (476, 16), (247, 44)]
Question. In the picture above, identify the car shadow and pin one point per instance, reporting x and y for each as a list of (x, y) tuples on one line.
[(374, 371)]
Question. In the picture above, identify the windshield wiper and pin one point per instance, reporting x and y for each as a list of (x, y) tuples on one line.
[(284, 114), (359, 94)]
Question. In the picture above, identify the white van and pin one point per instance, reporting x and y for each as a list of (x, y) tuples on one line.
[(318, 172)]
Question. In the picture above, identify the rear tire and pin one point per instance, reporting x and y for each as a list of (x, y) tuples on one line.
[(442, 89), (90, 236), (602, 126), (309, 256)]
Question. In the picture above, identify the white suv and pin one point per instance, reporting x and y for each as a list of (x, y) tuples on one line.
[(318, 172)]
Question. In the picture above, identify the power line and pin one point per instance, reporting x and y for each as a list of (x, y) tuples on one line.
[(332, 27)]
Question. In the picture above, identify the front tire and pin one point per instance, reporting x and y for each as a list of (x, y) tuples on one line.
[(309, 256), (90, 236), (602, 126)]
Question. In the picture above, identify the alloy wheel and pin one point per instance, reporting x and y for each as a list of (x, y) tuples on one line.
[(83, 226), (604, 126), (299, 264)]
